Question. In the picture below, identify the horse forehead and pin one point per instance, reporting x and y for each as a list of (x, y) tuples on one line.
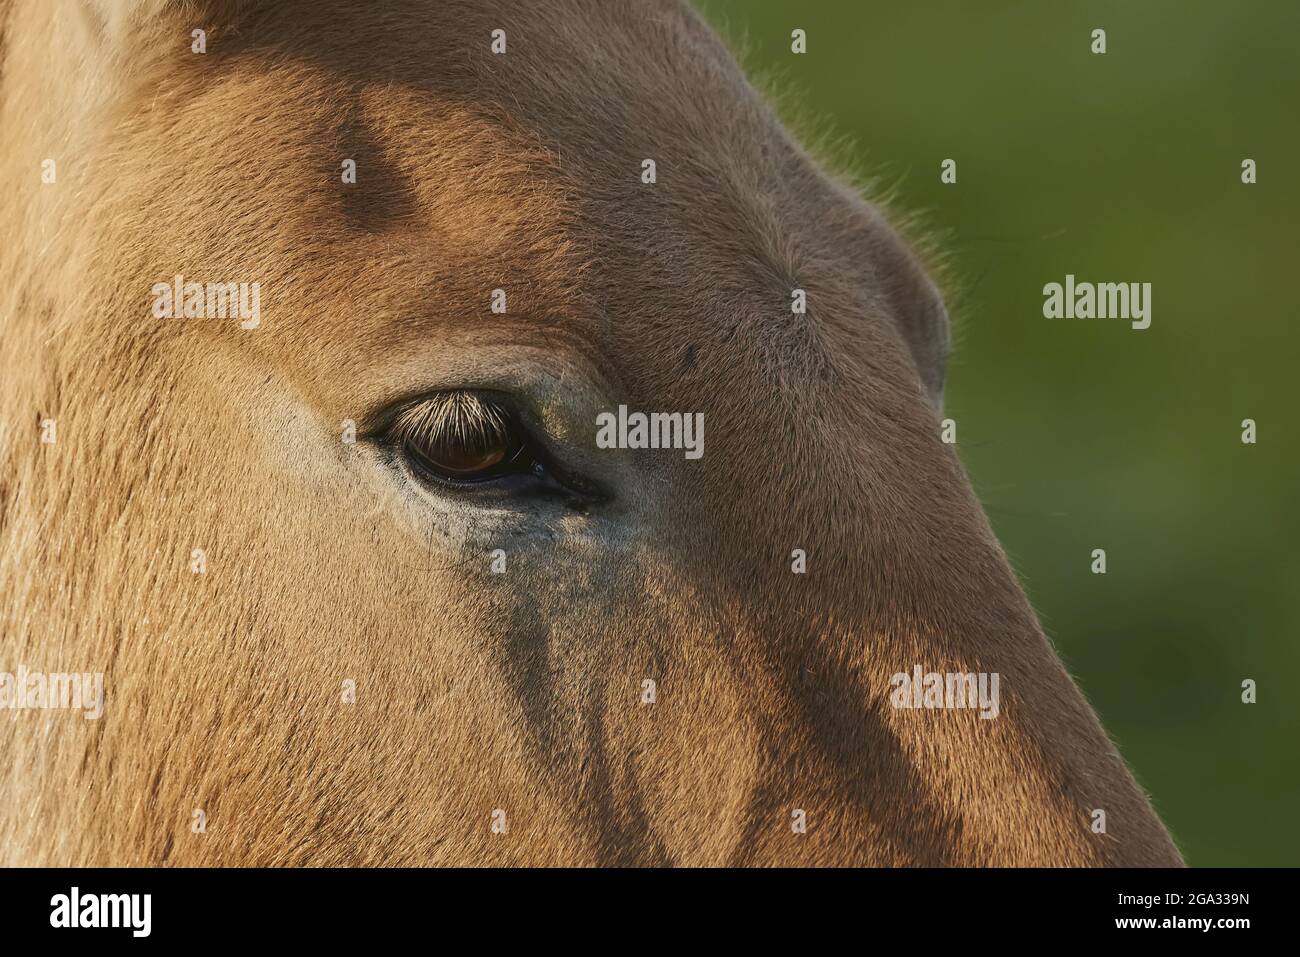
[(477, 177)]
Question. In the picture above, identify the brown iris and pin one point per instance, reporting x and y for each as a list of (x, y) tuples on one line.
[(460, 459)]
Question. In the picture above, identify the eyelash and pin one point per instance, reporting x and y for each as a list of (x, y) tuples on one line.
[(444, 415), (478, 417)]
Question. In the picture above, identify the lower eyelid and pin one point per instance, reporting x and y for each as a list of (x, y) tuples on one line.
[(530, 485)]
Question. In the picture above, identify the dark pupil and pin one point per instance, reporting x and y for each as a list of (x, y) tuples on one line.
[(465, 456)]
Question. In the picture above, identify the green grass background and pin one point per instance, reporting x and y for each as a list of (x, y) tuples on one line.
[(1087, 434)]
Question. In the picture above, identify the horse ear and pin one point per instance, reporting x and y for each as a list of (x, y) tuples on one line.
[(928, 333), (918, 312)]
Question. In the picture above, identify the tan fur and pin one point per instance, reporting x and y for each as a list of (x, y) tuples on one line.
[(476, 691)]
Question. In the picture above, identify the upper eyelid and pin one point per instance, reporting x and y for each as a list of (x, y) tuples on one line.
[(556, 388)]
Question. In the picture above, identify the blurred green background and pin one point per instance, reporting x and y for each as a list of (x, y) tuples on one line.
[(1083, 434)]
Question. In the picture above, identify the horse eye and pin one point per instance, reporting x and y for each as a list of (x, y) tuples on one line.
[(473, 443), (461, 437)]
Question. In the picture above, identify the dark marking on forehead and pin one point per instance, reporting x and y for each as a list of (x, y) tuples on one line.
[(383, 194)]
